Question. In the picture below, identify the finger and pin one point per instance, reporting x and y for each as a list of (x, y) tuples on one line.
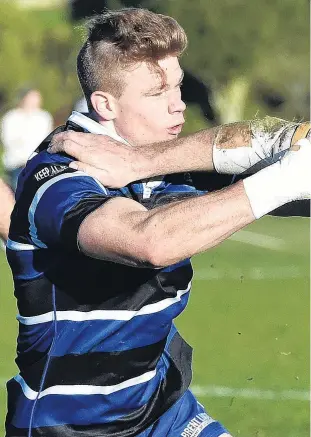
[(86, 139), (101, 175), (69, 135), (56, 143), (65, 144), (83, 146), (69, 147)]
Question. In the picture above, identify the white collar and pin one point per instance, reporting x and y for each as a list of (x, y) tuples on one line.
[(93, 127)]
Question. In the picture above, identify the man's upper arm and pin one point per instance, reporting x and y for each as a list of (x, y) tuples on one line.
[(113, 232), (74, 211)]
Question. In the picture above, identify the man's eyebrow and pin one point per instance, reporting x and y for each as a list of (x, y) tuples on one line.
[(155, 89), (159, 88)]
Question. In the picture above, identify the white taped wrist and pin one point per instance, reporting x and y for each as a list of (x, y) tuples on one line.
[(267, 190)]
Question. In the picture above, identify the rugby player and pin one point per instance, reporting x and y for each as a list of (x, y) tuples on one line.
[(6, 207), (100, 273)]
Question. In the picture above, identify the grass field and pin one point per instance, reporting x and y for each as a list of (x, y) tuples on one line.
[(248, 321)]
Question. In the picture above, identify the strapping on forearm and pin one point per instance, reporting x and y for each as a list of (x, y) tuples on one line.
[(238, 147)]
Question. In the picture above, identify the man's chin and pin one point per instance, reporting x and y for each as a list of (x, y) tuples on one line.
[(167, 137), (173, 136)]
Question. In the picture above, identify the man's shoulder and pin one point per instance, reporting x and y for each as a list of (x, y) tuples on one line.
[(46, 171), (38, 170), (45, 160)]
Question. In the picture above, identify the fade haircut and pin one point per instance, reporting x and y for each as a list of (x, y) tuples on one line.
[(117, 40)]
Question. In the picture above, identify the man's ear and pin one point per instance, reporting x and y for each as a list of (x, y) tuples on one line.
[(104, 105)]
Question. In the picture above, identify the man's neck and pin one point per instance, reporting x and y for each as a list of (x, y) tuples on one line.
[(109, 125)]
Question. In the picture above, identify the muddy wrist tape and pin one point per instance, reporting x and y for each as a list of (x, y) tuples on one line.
[(240, 146)]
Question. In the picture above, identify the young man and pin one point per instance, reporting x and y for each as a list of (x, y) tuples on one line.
[(101, 273), (6, 207)]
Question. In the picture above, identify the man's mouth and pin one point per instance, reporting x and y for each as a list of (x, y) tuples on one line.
[(175, 130)]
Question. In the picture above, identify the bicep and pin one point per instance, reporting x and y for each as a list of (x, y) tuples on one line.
[(113, 232)]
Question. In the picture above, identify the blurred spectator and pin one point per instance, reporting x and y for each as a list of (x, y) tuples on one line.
[(6, 207), (22, 130)]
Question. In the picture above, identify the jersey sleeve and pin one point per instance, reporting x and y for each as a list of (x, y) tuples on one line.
[(60, 205)]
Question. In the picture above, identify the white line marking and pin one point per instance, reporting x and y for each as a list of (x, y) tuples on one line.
[(260, 240), (246, 393), (254, 273), (250, 393)]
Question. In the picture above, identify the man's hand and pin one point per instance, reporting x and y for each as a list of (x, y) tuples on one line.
[(113, 163)]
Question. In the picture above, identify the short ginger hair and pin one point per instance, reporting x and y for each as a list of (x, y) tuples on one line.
[(117, 40)]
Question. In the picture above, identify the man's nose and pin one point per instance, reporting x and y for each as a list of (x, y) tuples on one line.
[(176, 104)]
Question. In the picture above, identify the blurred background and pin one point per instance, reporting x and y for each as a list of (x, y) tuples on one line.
[(245, 59)]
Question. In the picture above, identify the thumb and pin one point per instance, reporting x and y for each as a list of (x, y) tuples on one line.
[(96, 173)]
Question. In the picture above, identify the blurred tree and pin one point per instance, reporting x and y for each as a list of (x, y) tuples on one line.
[(254, 57), (244, 43), (247, 51), (38, 52)]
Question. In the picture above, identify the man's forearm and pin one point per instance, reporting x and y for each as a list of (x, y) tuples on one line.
[(193, 152), (183, 229), (230, 149), (6, 207)]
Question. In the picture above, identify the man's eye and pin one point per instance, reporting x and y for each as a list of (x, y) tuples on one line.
[(160, 93)]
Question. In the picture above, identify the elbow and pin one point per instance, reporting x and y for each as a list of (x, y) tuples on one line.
[(154, 245), (156, 256)]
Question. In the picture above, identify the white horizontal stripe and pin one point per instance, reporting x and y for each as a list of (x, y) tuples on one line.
[(36, 200), (75, 390), (223, 391), (250, 393), (14, 245), (80, 316)]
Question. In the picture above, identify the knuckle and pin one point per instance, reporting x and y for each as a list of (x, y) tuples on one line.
[(69, 134), (65, 143)]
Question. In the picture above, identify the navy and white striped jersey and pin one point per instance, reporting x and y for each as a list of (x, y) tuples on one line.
[(97, 349)]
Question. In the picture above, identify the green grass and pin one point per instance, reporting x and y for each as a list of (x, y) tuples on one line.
[(247, 333)]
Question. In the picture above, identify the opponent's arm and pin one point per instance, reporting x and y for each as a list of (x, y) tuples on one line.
[(6, 207), (124, 231), (234, 148), (231, 149)]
